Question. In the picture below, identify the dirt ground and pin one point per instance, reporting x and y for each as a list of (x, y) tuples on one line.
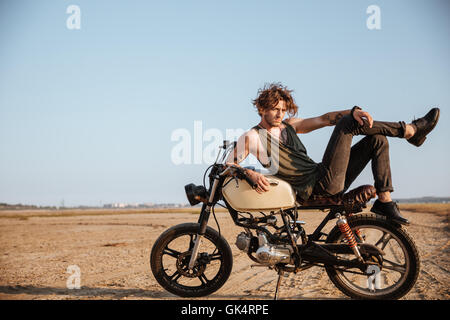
[(112, 254)]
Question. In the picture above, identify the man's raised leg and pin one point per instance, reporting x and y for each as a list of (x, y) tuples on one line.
[(376, 150), (337, 155)]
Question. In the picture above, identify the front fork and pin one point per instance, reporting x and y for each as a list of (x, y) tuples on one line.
[(203, 221)]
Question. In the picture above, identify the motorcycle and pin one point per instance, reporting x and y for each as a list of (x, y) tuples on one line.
[(365, 255)]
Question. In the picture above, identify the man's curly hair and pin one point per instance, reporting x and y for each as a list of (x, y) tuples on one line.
[(271, 94)]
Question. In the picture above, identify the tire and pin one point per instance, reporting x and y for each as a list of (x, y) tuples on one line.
[(169, 264), (405, 250)]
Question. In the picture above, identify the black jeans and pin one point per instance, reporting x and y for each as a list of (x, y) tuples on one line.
[(342, 163)]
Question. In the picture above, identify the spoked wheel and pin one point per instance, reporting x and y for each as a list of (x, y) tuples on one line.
[(388, 276), (171, 253)]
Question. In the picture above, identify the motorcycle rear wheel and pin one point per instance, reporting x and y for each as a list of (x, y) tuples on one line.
[(171, 254), (399, 267)]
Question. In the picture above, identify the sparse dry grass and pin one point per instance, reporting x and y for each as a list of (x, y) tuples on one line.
[(436, 208), (25, 214)]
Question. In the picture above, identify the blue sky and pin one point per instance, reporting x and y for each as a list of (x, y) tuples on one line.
[(87, 115)]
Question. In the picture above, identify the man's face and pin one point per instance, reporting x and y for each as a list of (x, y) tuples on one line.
[(275, 115)]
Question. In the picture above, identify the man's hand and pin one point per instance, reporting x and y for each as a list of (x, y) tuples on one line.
[(361, 115), (260, 179)]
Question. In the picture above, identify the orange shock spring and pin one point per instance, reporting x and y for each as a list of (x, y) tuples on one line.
[(359, 235), (347, 232), (357, 232)]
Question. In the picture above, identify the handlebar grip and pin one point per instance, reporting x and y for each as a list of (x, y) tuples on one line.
[(240, 173)]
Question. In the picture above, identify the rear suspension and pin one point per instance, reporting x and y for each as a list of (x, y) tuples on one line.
[(349, 236)]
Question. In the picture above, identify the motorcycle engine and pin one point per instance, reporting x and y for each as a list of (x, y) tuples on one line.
[(243, 241), (266, 253)]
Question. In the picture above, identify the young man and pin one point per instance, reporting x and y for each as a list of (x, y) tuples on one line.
[(276, 145)]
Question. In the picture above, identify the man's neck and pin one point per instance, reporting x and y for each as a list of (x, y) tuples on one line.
[(270, 128)]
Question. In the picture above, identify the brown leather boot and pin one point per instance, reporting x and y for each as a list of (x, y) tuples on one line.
[(424, 126), (389, 210)]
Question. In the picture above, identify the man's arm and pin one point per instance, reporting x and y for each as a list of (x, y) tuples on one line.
[(249, 143), (310, 124), (241, 151), (327, 119)]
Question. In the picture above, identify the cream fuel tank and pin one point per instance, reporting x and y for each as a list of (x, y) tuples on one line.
[(241, 197)]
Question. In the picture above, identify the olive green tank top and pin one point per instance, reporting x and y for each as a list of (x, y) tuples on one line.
[(289, 160)]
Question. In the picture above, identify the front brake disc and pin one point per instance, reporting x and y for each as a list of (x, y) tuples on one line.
[(183, 266)]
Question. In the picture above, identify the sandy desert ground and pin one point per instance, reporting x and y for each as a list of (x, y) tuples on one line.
[(112, 253)]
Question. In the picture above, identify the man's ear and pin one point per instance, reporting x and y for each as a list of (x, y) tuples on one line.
[(261, 111)]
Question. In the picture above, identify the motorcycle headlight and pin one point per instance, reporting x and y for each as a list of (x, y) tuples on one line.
[(196, 194)]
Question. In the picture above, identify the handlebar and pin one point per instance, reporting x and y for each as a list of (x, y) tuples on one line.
[(241, 174)]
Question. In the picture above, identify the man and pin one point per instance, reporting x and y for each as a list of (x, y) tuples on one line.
[(276, 145)]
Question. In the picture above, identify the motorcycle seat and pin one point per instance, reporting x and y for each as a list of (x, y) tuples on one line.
[(351, 201)]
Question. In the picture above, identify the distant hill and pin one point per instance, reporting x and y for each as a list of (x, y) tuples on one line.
[(19, 206), (424, 200)]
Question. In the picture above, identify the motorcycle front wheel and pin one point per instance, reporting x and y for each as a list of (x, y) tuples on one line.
[(171, 253), (392, 275)]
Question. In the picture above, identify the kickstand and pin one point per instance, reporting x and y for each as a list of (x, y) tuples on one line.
[(280, 274)]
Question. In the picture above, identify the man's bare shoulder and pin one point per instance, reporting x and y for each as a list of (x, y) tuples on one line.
[(294, 122), (250, 135)]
